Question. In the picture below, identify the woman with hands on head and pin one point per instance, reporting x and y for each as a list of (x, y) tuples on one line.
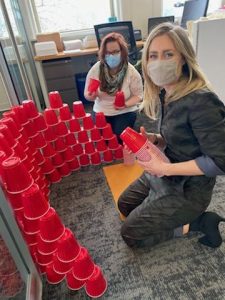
[(115, 74), (170, 199)]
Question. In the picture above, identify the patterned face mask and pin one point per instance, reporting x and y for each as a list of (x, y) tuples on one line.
[(113, 60), (162, 72)]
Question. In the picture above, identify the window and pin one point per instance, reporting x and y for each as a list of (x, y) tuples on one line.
[(68, 15)]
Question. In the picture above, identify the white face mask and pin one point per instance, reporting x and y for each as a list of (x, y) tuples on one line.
[(162, 72)]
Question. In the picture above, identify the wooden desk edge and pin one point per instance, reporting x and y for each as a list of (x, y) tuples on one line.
[(76, 53)]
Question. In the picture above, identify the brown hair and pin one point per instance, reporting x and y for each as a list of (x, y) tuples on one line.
[(114, 37)]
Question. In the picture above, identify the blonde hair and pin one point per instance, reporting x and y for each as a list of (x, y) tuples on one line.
[(191, 78)]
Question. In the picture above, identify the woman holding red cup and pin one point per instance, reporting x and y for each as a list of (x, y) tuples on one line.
[(114, 84)]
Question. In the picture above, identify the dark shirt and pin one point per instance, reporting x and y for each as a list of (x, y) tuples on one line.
[(194, 128)]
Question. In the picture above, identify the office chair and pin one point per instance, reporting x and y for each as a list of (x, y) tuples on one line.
[(193, 10), (125, 28), (153, 22)]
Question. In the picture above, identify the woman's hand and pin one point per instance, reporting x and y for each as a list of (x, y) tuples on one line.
[(92, 96), (119, 108), (155, 166), (150, 136)]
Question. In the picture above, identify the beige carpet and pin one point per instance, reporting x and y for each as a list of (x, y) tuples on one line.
[(120, 176)]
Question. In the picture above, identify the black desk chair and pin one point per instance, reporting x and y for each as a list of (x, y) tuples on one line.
[(126, 29), (193, 10), (153, 22)]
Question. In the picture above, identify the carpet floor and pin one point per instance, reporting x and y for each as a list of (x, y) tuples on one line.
[(180, 269)]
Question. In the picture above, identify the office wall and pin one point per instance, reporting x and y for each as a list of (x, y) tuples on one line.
[(138, 11)]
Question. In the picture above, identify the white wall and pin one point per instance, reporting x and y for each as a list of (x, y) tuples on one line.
[(138, 11)]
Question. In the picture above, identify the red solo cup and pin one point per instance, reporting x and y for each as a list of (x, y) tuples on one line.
[(88, 122), (50, 116), (61, 267), (61, 129), (30, 109), (70, 139), (84, 160), (4, 130), (34, 203), (2, 158), (44, 259), (83, 137), (57, 160), (29, 129), (78, 110), (54, 176), (107, 132), (119, 99), (64, 112), (101, 145), (45, 247), (73, 283), (118, 153), (15, 176), (19, 214), (39, 141), (50, 134), (47, 167), (51, 227), (11, 114), (113, 143), (52, 276), (19, 151), (31, 238), (10, 123), (74, 164), (60, 145), (27, 164), (133, 140), (39, 158), (31, 226), (107, 156), (78, 149), (39, 123), (95, 135), (55, 100), (96, 285), (4, 145), (48, 150), (68, 247), (83, 266), (89, 148), (93, 85), (15, 200), (74, 125), (68, 154), (95, 158), (20, 114), (25, 138), (100, 120), (41, 269), (64, 170)]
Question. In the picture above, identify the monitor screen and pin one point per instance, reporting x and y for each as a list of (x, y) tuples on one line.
[(123, 30), (153, 22), (193, 10)]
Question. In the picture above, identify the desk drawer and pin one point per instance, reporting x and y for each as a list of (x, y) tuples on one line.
[(58, 69), (60, 84)]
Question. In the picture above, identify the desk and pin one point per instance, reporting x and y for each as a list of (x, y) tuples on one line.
[(76, 53), (58, 72)]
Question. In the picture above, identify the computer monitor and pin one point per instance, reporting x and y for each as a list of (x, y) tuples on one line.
[(153, 22), (193, 10), (125, 28)]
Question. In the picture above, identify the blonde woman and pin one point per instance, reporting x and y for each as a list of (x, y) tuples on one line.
[(170, 199)]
